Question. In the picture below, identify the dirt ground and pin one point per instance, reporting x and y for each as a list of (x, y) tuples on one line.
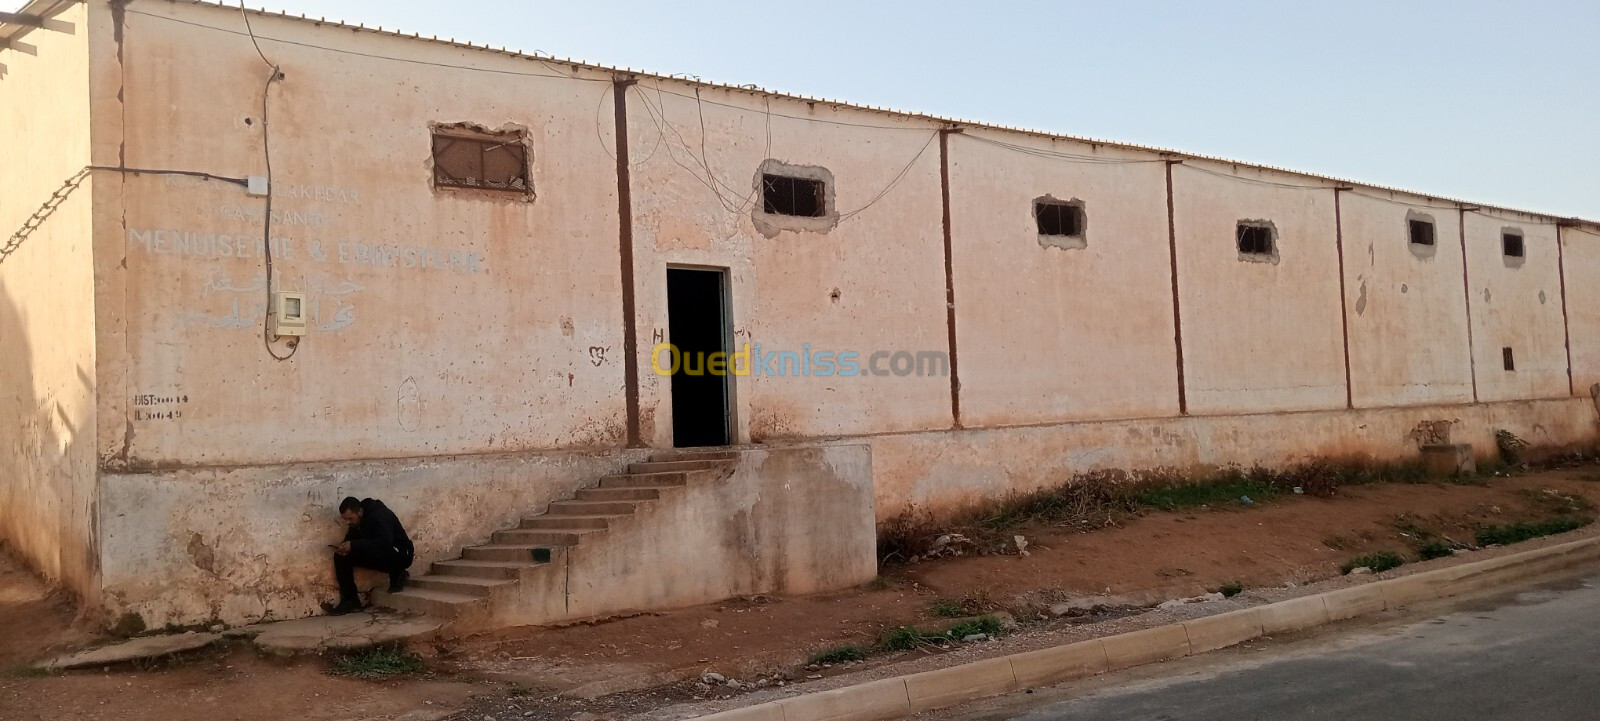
[(1154, 556)]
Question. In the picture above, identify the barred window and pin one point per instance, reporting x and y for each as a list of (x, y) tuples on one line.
[(480, 162)]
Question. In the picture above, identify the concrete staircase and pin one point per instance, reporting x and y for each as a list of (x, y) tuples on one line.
[(490, 585)]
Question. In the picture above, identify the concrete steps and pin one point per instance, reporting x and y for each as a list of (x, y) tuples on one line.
[(467, 587)]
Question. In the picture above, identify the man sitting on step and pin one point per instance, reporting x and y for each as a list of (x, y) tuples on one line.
[(376, 540)]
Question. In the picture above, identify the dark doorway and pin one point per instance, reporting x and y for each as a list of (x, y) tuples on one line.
[(697, 327)]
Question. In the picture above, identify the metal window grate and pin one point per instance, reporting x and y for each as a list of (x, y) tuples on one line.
[(1058, 219), (785, 195), (1255, 239), (1511, 244), (1421, 232), (480, 163)]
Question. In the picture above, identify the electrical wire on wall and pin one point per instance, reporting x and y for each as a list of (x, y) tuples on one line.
[(266, 232)]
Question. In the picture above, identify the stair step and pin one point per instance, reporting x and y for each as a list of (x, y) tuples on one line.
[(540, 538), (660, 466), (636, 493), (507, 549), (464, 585), (590, 508), (693, 455), (638, 480), (482, 569), (443, 604), (555, 522)]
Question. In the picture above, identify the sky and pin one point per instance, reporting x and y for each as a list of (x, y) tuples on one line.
[(1494, 102)]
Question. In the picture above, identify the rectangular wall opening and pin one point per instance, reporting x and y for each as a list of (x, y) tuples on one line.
[(1063, 219), (1421, 232), (697, 328), (1505, 356), (786, 195), (1511, 245)]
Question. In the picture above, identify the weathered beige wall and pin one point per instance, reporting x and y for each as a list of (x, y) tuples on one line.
[(873, 282), (240, 545), (947, 471), (1581, 248), (47, 352), (1257, 336), (1516, 303), (1406, 305), (514, 344), (1047, 334)]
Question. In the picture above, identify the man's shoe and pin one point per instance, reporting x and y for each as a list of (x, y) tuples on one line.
[(343, 608), (397, 581)]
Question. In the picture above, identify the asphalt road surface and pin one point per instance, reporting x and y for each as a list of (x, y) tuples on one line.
[(1526, 655)]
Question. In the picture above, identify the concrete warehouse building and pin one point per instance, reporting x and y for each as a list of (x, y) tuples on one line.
[(256, 263)]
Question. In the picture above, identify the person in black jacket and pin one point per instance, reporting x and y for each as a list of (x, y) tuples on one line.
[(376, 540)]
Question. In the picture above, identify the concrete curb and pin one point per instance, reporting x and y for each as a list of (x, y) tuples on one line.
[(905, 695)]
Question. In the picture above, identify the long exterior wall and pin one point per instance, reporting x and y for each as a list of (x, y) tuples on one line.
[(940, 473), (465, 348), (47, 349)]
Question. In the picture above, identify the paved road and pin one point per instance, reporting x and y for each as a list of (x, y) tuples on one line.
[(1523, 656)]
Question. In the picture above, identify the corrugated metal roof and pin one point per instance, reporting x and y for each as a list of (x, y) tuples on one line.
[(901, 114), (36, 8)]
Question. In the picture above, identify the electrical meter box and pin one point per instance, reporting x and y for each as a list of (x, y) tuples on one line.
[(288, 313)]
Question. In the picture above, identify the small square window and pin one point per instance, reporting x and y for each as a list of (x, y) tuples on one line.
[(1505, 356), (1255, 239), (480, 161), (1064, 219), (786, 195), (1511, 245), (1421, 232)]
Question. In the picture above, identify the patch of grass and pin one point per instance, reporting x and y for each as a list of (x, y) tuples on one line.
[(518, 689), (840, 655), (28, 670), (1225, 492), (378, 663), (948, 608), (1231, 589), (985, 624), (1434, 548), (903, 638), (1507, 534), (1378, 562)]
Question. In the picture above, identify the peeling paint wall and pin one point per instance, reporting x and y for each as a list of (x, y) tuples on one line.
[(47, 352), (941, 472), (247, 544)]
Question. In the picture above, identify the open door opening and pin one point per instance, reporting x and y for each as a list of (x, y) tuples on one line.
[(697, 327)]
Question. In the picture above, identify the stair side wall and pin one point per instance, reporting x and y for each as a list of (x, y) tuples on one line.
[(239, 545), (790, 521)]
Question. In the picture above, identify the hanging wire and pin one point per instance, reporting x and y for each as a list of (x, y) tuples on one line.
[(275, 75), (1056, 154)]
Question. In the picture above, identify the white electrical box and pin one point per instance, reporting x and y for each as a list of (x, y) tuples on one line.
[(256, 185), (288, 313)]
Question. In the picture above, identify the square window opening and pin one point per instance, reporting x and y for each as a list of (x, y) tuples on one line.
[(1255, 239), (787, 195), (1511, 245), (1065, 219), (497, 162), (1505, 356), (1421, 232)]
